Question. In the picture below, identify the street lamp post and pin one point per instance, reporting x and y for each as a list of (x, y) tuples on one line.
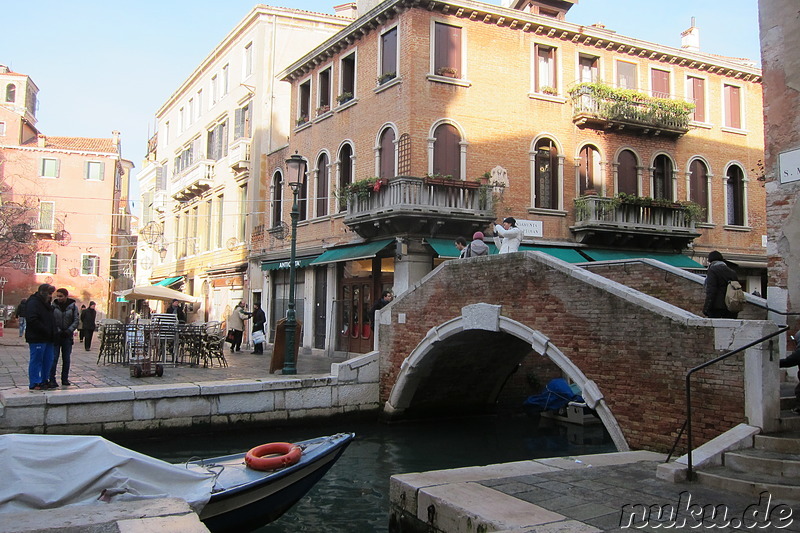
[(296, 169)]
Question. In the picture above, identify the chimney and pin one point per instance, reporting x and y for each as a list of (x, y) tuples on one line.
[(41, 140), (115, 138), (348, 10), (690, 39), (4, 69)]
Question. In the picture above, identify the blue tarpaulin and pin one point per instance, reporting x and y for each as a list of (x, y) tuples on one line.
[(556, 395)]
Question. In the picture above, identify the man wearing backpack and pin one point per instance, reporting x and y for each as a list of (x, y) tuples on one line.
[(716, 285)]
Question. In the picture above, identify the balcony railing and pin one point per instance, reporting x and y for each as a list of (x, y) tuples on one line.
[(239, 154), (193, 180), (599, 105), (420, 205), (597, 216)]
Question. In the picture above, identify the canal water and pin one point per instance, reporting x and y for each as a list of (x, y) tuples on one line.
[(354, 495)]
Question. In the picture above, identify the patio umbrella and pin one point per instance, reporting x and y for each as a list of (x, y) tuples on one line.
[(156, 292)]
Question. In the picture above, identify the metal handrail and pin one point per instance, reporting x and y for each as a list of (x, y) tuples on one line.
[(688, 423)]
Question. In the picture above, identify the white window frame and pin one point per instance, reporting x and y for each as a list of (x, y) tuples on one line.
[(46, 226), (742, 118), (214, 90), (247, 62), (556, 83), (96, 270), (599, 59), (225, 79), (386, 30), (2, 129), (671, 81), (354, 54), (308, 80), (51, 263), (432, 61), (89, 164), (616, 73), (687, 95), (43, 164), (328, 67)]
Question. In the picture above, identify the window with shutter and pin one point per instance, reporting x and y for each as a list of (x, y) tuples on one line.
[(387, 153), (94, 170), (627, 176), (322, 185), (11, 93), (627, 75), (659, 80), (389, 54), (733, 117), (697, 95), (324, 90), (90, 265), (735, 192), (47, 215), (348, 78), (45, 263), (590, 169), (304, 102), (546, 178), (546, 80), (447, 151), (662, 178), (277, 199), (447, 50), (698, 186), (49, 167)]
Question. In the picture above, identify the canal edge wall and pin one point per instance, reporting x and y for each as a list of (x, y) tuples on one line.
[(351, 386)]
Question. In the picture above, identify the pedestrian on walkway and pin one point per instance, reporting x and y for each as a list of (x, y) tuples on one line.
[(65, 313), (236, 324), (461, 246), (39, 334), (477, 247), (718, 275), (21, 316), (259, 319), (88, 318), (507, 236)]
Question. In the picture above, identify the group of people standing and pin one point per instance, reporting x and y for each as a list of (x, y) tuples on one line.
[(507, 237), (236, 322), (49, 327)]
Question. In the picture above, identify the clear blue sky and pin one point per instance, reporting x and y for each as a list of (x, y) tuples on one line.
[(101, 66)]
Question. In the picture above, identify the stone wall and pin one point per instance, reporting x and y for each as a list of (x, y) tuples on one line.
[(351, 387)]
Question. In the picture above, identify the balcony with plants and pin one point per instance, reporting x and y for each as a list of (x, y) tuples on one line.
[(636, 221), (405, 204), (600, 106)]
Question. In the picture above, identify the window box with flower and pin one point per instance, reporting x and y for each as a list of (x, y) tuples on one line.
[(344, 98), (447, 72)]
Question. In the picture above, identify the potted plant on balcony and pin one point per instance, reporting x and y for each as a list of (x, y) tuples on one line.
[(321, 110), (547, 89), (302, 120), (387, 76), (344, 97), (447, 72)]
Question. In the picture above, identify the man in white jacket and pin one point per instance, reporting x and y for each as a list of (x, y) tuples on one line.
[(507, 237)]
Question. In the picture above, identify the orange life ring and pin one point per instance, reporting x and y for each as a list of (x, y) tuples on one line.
[(280, 454)]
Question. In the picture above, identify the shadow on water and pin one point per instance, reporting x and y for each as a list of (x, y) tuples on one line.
[(354, 495)]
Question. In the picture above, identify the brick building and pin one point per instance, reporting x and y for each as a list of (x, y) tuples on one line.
[(420, 123), (200, 180), (71, 194)]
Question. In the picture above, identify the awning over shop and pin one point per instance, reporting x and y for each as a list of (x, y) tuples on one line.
[(283, 264), (446, 248), (352, 252), (169, 281), (676, 260)]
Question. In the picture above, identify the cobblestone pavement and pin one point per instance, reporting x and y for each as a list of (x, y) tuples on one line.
[(85, 372)]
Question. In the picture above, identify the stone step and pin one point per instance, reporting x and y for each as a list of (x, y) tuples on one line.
[(759, 461), (787, 442), (750, 483)]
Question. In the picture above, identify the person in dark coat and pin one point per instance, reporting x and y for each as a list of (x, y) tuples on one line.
[(88, 319), (40, 334), (66, 314), (259, 319), (717, 277), (791, 360), (386, 299), (177, 309)]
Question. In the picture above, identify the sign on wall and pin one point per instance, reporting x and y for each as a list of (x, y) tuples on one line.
[(789, 165), (530, 228)]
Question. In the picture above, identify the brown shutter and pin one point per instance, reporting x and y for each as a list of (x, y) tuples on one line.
[(389, 52), (732, 107), (387, 153), (626, 173), (699, 96), (698, 185), (446, 152), (322, 185), (660, 82)]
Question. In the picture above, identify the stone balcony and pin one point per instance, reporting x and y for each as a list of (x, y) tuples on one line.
[(421, 206), (607, 221), (193, 181), (239, 155), (600, 107)]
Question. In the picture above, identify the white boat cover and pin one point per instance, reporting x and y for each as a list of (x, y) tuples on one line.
[(51, 471)]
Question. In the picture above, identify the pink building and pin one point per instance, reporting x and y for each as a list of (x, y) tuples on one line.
[(64, 216)]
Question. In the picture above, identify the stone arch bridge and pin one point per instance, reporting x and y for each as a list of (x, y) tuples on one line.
[(625, 332)]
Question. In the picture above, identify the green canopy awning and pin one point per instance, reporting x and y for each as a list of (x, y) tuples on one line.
[(169, 281), (447, 248), (283, 264), (352, 252), (676, 260)]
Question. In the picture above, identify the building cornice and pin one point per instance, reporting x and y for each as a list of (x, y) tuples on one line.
[(589, 36), (113, 155)]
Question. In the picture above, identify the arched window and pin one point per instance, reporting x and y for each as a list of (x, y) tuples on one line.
[(590, 169), (698, 187), (11, 93), (277, 199), (387, 153), (447, 151), (626, 173), (545, 176), (322, 185), (662, 177), (735, 189), (302, 196), (345, 170)]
